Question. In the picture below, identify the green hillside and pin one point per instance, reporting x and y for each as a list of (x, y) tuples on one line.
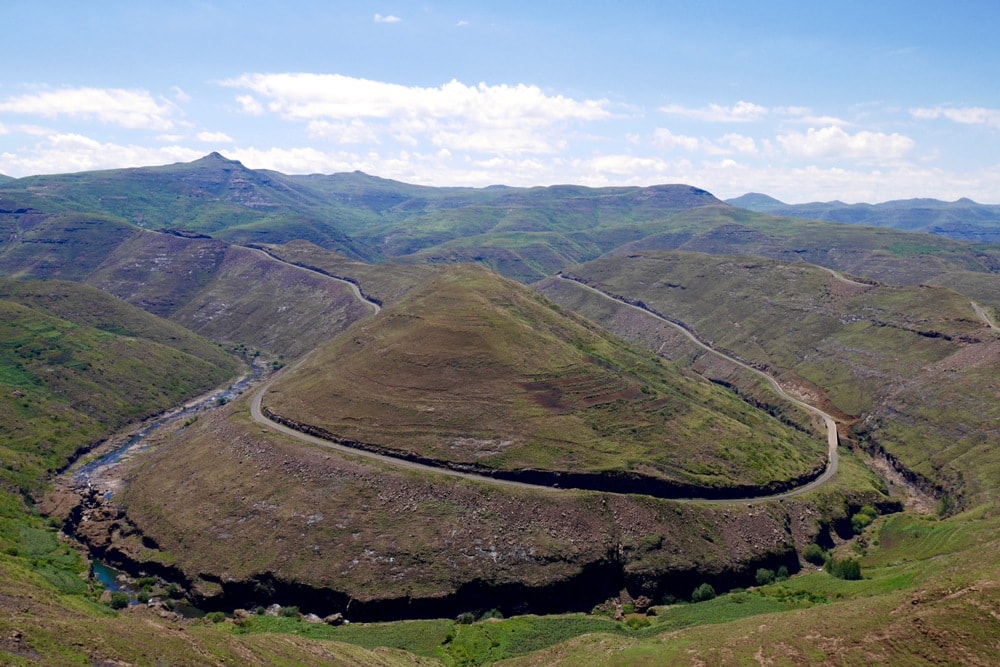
[(503, 380), (474, 373), (77, 364), (909, 363)]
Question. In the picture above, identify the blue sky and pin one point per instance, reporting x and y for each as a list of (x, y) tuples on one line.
[(805, 101)]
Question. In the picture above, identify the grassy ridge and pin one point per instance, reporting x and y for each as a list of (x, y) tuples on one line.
[(503, 379), (65, 384), (915, 363)]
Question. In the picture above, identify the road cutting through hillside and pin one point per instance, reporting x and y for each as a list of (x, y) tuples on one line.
[(355, 288), (983, 316), (832, 439), (258, 415)]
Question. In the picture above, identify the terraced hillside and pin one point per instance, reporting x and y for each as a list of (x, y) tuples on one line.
[(471, 369), (195, 281)]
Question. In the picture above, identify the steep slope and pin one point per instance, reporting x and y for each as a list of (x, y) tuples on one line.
[(472, 369), (196, 281), (76, 363), (911, 362)]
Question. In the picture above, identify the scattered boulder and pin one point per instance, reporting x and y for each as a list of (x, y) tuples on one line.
[(334, 619)]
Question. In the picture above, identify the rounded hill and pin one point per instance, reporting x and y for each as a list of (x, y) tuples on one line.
[(474, 371)]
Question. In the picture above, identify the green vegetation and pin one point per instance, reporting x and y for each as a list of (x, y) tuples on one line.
[(505, 380), (702, 593), (847, 568), (916, 367), (813, 553), (910, 363), (863, 518)]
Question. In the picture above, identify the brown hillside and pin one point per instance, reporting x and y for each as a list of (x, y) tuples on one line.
[(473, 368)]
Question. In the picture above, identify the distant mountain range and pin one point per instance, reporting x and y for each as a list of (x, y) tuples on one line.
[(962, 220)]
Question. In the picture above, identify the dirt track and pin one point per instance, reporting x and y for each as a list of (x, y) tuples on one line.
[(257, 414)]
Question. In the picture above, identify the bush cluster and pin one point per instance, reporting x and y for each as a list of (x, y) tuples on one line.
[(863, 518), (848, 568), (702, 593), (813, 553)]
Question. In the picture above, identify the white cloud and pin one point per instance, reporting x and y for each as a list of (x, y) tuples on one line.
[(740, 112), (806, 115), (250, 105), (179, 94), (131, 109), (215, 137), (68, 152), (504, 118), (349, 132), (305, 96), (739, 143), (834, 142), (387, 19), (963, 115), (667, 140), (462, 24)]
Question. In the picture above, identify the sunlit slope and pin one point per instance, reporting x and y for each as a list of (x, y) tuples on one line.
[(76, 363), (916, 365), (474, 368)]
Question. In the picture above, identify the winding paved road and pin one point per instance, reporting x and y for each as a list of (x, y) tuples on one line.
[(259, 417)]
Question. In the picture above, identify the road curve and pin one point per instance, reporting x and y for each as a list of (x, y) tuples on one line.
[(983, 316), (258, 416), (375, 306), (833, 459)]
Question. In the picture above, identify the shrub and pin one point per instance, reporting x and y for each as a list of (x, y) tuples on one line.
[(849, 568), (702, 593), (259, 610), (764, 576), (636, 622), (466, 618), (492, 613), (863, 518), (782, 574), (215, 616), (814, 554), (289, 612), (119, 600)]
